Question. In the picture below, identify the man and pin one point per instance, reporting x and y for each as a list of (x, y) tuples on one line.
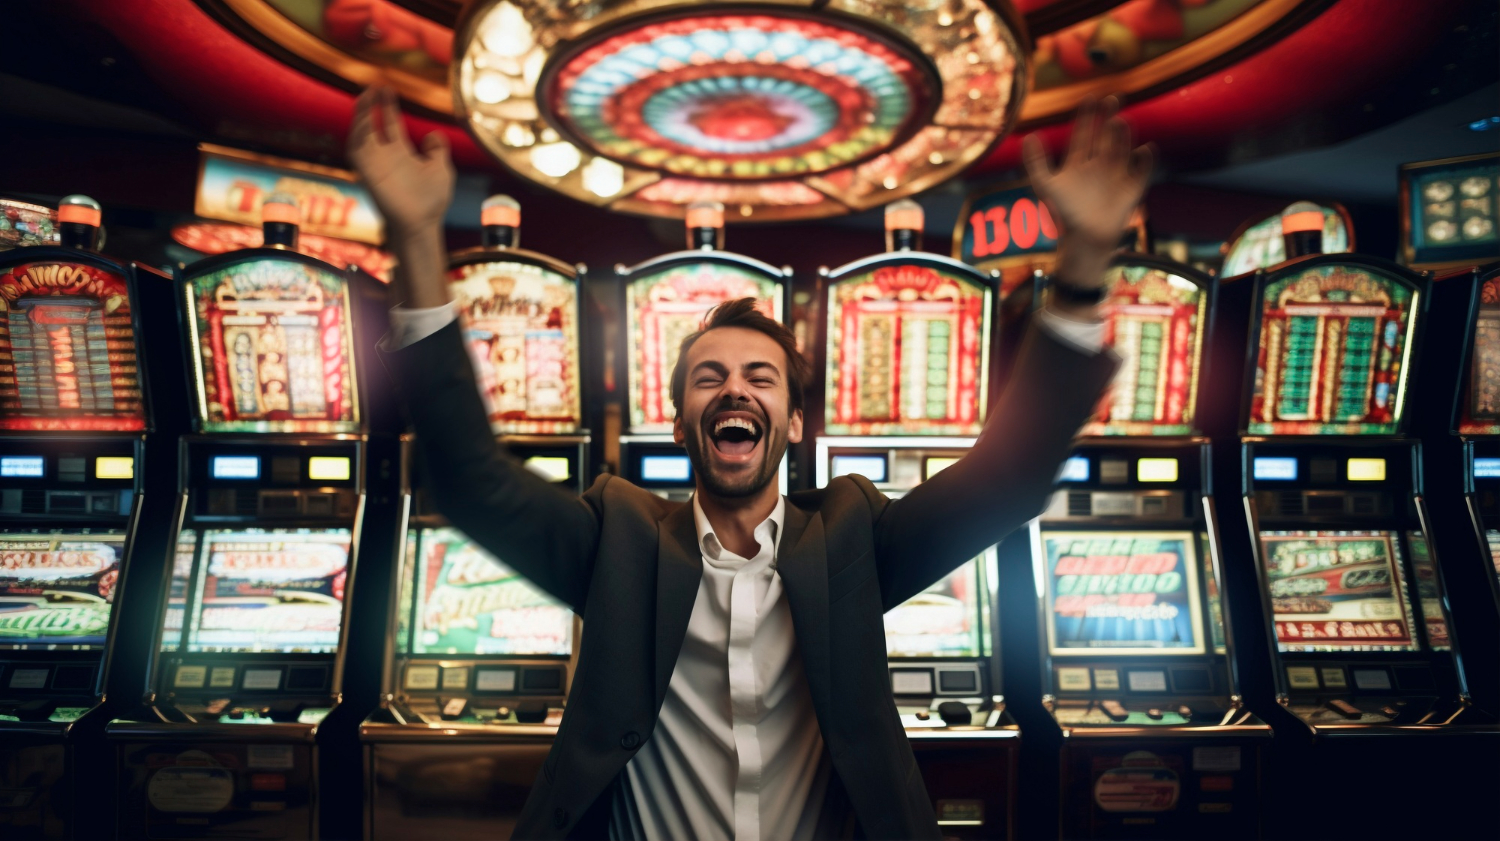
[(732, 682)]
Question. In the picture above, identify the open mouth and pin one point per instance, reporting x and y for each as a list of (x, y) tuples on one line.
[(736, 434)]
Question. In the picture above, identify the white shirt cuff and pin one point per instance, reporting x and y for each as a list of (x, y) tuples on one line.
[(409, 326), (1086, 336)]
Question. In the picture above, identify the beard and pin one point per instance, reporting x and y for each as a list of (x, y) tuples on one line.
[(771, 448)]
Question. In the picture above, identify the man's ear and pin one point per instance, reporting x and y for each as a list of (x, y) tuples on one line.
[(794, 428), (678, 434)]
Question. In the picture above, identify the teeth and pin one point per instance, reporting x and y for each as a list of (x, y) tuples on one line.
[(740, 423)]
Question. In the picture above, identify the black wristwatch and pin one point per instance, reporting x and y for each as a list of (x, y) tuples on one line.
[(1071, 294)]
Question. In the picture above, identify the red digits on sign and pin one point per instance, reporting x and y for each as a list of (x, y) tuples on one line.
[(1049, 228), (1024, 225)]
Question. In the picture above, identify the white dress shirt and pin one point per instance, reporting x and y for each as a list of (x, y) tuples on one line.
[(736, 753)]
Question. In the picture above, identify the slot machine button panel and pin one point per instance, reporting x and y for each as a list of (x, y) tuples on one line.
[(1345, 709), (1114, 709)]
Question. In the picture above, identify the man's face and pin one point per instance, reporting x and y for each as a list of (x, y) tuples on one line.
[(736, 418)]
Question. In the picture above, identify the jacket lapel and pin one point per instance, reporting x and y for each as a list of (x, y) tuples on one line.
[(679, 570), (802, 562)]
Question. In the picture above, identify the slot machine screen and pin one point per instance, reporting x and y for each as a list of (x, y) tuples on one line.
[(520, 323), (468, 603), (941, 621), (1492, 537), (269, 590), (907, 353), (1122, 593), (67, 350), (1337, 591), (23, 224), (1429, 592), (661, 309), (275, 349), (57, 588), (1155, 321), (1215, 600), (1333, 354), (1479, 413), (177, 594)]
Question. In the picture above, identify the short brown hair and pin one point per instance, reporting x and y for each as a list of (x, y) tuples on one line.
[(742, 312)]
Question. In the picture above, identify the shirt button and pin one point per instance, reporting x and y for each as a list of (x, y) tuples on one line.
[(631, 740), (559, 817)]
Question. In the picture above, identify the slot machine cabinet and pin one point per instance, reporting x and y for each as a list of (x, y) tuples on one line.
[(1354, 601), (1137, 661), (1366, 662), (905, 356), (665, 300), (86, 429), (249, 660), (478, 662), (1458, 414)]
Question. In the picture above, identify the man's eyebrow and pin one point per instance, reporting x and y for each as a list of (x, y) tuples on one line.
[(717, 367), (754, 366)]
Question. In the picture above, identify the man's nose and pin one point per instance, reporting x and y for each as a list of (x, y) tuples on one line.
[(736, 388)]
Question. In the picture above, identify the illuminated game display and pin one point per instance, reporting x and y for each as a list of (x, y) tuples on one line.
[(276, 590), (520, 323), (1429, 592), (661, 309), (1479, 412), (1155, 321), (941, 621), (908, 353), (57, 589), (1337, 591), (1333, 358), (67, 350), (1122, 593), (276, 349), (1449, 211), (468, 603), (177, 597)]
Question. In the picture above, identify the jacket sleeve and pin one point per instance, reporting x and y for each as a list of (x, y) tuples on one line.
[(541, 531), (1004, 481)]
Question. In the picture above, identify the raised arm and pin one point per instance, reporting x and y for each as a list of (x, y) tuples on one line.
[(544, 533), (1054, 386)]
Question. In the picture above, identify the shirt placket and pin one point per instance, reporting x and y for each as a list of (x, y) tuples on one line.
[(744, 704)]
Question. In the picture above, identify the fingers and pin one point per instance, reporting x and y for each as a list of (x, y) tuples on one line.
[(1034, 156), (1142, 160), (393, 129), (1116, 140), (435, 147), (361, 129), (1082, 143)]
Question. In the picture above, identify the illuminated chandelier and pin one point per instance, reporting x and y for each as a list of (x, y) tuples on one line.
[(777, 110)]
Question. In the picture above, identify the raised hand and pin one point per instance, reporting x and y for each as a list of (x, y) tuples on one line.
[(412, 188), (1093, 193)]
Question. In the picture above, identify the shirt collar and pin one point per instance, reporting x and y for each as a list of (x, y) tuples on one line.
[(769, 531)]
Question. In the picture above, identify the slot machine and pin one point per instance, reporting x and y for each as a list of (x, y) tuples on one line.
[(906, 375), (82, 510), (1460, 416), (665, 300), (478, 661), (248, 663), (1355, 612), (1137, 665)]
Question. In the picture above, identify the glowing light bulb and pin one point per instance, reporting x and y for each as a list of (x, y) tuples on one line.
[(603, 177), (556, 159), (506, 32), (490, 88), (517, 134)]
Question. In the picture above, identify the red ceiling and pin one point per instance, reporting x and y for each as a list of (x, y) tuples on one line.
[(239, 92)]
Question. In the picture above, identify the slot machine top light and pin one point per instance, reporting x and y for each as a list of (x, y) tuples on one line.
[(500, 221), (904, 220), (78, 223)]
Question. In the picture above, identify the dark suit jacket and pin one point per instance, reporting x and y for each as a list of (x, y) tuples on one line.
[(628, 562)]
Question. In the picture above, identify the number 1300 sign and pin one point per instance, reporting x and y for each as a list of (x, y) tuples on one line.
[(1007, 223)]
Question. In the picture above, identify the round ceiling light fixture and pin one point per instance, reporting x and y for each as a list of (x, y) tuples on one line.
[(779, 111)]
